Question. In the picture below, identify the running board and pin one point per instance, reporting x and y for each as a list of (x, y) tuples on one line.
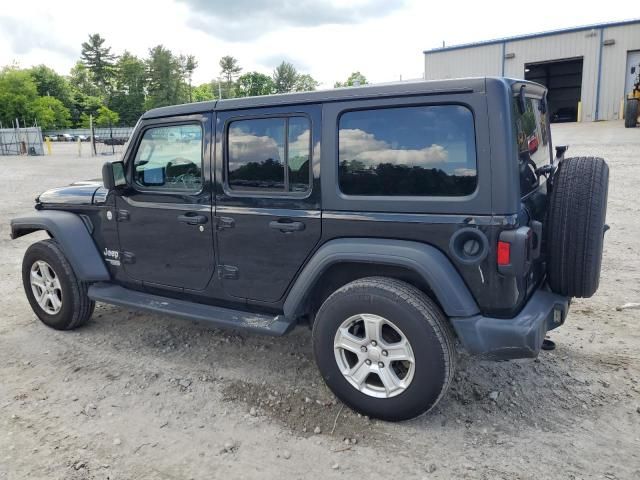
[(214, 316)]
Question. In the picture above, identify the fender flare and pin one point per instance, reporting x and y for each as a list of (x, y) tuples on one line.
[(74, 239), (425, 260)]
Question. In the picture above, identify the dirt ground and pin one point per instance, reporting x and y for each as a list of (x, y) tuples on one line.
[(138, 396)]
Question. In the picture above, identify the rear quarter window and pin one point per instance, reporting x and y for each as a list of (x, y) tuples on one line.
[(408, 151)]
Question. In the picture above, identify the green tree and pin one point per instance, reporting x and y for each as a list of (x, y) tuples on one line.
[(229, 69), (252, 84), (165, 79), (305, 83), (17, 93), (129, 94), (355, 79), (51, 84), (86, 96), (188, 64), (106, 117), (81, 80), (50, 112), (203, 92), (99, 60), (284, 78)]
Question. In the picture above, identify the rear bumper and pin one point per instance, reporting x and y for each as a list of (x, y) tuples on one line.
[(518, 337)]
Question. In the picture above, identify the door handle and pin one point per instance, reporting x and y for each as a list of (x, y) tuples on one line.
[(192, 218), (285, 226)]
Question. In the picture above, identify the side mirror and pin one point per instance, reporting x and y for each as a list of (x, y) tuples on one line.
[(113, 175)]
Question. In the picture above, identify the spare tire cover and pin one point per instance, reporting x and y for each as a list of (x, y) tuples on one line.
[(575, 225)]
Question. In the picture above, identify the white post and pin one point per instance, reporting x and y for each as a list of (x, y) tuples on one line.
[(91, 134)]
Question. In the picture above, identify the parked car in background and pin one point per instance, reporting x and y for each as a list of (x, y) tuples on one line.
[(115, 141), (66, 137), (82, 138)]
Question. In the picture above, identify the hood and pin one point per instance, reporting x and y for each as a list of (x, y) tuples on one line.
[(79, 193)]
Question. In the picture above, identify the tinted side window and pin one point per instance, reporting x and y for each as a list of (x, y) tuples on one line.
[(170, 158), (269, 154), (413, 151), (534, 148)]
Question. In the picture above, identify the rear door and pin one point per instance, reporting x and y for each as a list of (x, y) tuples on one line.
[(267, 197)]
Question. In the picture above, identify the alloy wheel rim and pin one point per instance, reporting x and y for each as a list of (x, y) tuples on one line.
[(46, 288), (374, 355)]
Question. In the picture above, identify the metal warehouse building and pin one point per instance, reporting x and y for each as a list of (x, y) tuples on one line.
[(588, 70)]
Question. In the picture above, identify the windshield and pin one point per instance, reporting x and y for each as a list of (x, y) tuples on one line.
[(533, 140)]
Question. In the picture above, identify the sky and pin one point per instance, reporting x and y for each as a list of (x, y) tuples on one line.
[(383, 39)]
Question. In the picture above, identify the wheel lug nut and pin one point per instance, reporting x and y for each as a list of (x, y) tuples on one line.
[(363, 349), (367, 361), (381, 365), (373, 343), (385, 353)]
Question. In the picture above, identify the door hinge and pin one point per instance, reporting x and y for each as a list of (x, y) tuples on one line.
[(224, 222), (228, 272), (123, 216)]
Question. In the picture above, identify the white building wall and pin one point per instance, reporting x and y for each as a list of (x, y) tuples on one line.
[(469, 62), (614, 64), (487, 60)]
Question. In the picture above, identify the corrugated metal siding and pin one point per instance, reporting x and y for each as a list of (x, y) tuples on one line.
[(474, 62), (487, 60), (614, 64)]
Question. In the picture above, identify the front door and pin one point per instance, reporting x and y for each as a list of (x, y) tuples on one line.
[(267, 198), (165, 214)]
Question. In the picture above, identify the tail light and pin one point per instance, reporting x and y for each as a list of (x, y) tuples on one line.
[(504, 253), (514, 251)]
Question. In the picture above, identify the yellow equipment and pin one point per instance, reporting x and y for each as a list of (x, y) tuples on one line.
[(631, 110)]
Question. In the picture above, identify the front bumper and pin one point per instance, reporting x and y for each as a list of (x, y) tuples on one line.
[(518, 337)]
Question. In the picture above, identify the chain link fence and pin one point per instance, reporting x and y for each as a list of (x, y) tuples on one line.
[(21, 141), (110, 140), (99, 140)]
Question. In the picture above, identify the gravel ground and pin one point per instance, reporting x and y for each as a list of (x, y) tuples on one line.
[(138, 396)]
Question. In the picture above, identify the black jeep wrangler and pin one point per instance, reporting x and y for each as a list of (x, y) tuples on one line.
[(397, 220)]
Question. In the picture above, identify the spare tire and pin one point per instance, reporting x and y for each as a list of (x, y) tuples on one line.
[(575, 225), (631, 113)]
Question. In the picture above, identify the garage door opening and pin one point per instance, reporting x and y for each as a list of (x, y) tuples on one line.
[(563, 78)]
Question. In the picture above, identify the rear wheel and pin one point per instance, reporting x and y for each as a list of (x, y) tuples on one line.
[(55, 294), (384, 348), (575, 230), (631, 113)]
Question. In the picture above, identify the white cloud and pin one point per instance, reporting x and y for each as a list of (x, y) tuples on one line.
[(356, 144), (383, 40), (245, 147)]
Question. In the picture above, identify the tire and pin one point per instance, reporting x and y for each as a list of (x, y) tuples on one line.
[(76, 307), (575, 226), (419, 321), (631, 113)]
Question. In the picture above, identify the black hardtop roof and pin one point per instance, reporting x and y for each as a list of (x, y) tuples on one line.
[(421, 87)]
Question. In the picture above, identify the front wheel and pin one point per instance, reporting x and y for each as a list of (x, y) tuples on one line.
[(384, 348), (56, 296)]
